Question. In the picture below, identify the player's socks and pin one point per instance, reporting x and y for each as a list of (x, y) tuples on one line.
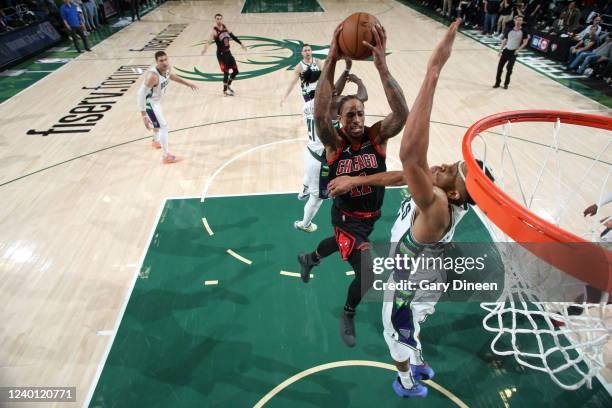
[(418, 390), (306, 264), (406, 379), (422, 372), (347, 326)]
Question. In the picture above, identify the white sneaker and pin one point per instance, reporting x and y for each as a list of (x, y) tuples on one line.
[(299, 225)]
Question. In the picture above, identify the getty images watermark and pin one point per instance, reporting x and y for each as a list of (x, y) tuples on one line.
[(424, 272), (455, 272)]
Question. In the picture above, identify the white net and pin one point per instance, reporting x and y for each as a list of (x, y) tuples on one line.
[(548, 320)]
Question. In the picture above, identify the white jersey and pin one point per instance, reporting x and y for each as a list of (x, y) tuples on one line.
[(306, 85), (401, 233), (308, 89), (156, 93)]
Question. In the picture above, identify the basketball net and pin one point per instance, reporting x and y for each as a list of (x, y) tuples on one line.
[(565, 337)]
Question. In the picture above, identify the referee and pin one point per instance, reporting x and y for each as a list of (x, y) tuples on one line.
[(515, 39)]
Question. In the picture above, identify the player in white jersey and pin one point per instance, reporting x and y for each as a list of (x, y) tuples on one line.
[(307, 72), (425, 223), (153, 87)]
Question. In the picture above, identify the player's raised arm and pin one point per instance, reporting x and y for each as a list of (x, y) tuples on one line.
[(294, 80), (341, 82), (324, 96), (211, 38), (415, 141), (362, 92), (393, 123)]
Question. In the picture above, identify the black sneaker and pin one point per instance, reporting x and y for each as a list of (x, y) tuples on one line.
[(506, 86), (347, 329), (496, 86), (306, 263)]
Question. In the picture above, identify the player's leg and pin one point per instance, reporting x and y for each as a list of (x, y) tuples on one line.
[(406, 383), (361, 261), (168, 157), (235, 72), (153, 118), (155, 143), (307, 261), (312, 174)]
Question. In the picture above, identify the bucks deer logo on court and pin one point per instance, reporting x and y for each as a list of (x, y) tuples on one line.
[(271, 55)]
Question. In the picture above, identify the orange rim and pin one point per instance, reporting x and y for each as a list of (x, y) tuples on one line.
[(582, 259)]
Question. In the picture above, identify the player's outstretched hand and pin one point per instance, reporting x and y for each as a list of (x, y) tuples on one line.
[(442, 52), (193, 87), (340, 185), (334, 49), (243, 47), (378, 50), (590, 210)]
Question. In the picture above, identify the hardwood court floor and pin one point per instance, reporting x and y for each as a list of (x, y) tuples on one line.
[(77, 209)]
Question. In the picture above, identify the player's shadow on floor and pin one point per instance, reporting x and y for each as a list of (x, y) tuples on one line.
[(242, 224)]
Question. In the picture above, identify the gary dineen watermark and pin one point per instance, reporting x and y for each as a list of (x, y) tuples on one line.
[(433, 267)]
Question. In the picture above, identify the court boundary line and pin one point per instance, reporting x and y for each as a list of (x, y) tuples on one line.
[(120, 315), (253, 118)]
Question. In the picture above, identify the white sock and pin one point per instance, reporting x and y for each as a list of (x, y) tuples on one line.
[(156, 136), (163, 139), (406, 378), (310, 209)]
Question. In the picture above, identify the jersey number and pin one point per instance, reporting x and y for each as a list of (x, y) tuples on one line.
[(361, 190), (311, 129)]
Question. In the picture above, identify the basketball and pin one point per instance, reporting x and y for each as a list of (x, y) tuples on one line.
[(357, 28)]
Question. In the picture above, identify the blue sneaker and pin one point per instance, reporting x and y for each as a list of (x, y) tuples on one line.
[(417, 391), (422, 372)]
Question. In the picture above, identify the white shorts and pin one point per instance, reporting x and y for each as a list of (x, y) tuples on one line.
[(402, 325), (312, 171)]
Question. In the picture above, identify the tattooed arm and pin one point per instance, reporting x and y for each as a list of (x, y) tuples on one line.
[(324, 98), (394, 122)]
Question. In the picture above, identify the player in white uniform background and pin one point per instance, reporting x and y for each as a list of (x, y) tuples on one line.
[(426, 223), (307, 72), (153, 87)]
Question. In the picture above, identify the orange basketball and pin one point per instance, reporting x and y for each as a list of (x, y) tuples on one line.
[(357, 28)]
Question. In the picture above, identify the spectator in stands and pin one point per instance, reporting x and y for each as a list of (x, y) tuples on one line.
[(91, 14), (462, 10), (134, 7), (515, 39), (586, 59), (572, 17), (596, 23), (4, 22), (559, 23), (74, 23), (588, 42), (506, 14), (446, 8), (533, 10), (491, 10)]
